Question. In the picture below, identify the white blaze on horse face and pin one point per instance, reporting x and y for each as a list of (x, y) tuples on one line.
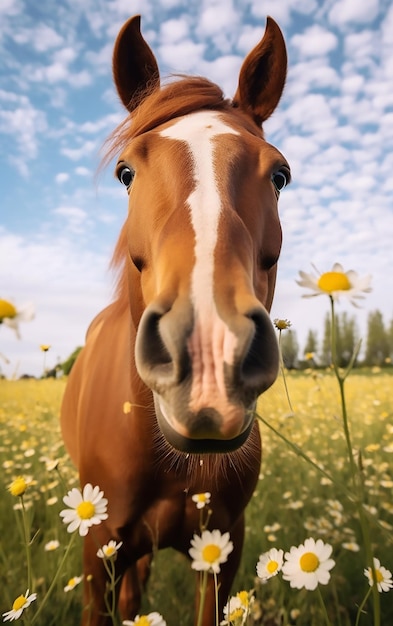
[(211, 343)]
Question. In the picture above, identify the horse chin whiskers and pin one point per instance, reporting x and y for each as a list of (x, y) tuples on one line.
[(201, 467)]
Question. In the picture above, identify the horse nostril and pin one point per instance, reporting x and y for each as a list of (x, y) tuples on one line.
[(260, 364), (151, 351), (160, 351)]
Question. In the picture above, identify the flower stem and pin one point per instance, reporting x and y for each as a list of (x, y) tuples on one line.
[(356, 476), (55, 578), (26, 533), (360, 609), (202, 597), (282, 367), (323, 607)]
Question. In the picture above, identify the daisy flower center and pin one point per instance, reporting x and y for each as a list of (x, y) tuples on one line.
[(19, 603), (211, 553), (109, 551), (7, 310), (85, 510), (236, 614), (243, 597), (309, 562), (378, 576), (334, 281), (272, 567), (143, 621)]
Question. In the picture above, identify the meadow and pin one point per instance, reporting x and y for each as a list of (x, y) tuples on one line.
[(303, 491)]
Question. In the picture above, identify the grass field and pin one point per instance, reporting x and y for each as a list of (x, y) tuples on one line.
[(294, 500)]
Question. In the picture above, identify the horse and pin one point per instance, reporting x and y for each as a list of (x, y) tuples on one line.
[(187, 343)]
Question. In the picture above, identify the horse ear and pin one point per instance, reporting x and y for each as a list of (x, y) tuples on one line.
[(134, 64), (262, 75)]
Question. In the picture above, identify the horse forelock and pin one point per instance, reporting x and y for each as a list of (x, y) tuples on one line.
[(154, 107)]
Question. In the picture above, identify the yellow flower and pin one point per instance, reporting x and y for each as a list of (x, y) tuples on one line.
[(18, 486), (44, 347), (11, 316), (336, 283)]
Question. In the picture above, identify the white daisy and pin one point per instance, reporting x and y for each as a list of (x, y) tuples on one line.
[(20, 604), (270, 563), (152, 619), (336, 283), (87, 509), (237, 609), (383, 576), (72, 583), (109, 550), (11, 316), (210, 550), (51, 545), (201, 499), (308, 565)]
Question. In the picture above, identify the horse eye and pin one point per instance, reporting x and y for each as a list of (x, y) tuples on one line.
[(125, 175), (280, 179)]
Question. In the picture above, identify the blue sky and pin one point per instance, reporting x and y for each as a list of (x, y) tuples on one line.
[(59, 222)]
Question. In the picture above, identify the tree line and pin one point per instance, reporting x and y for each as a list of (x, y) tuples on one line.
[(376, 349)]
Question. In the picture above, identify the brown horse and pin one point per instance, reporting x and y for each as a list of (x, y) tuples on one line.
[(188, 342)]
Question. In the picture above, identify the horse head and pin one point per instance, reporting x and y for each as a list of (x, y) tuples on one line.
[(203, 238)]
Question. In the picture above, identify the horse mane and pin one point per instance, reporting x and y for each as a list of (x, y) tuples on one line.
[(151, 108)]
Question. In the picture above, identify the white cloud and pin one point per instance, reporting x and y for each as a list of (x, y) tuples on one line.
[(75, 217), (82, 171), (184, 56), (62, 177), (24, 123), (75, 154), (174, 30), (345, 12), (11, 7), (315, 41), (42, 38), (68, 285)]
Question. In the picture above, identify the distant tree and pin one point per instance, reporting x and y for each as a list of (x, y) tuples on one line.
[(311, 346), (346, 339), (390, 340), (66, 366), (377, 346), (289, 348), (326, 352)]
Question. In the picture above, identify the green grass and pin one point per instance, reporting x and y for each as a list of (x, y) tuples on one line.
[(293, 501)]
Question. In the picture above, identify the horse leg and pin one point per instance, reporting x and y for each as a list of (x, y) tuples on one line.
[(133, 584), (225, 580)]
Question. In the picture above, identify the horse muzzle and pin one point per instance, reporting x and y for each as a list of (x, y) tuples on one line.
[(205, 374)]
